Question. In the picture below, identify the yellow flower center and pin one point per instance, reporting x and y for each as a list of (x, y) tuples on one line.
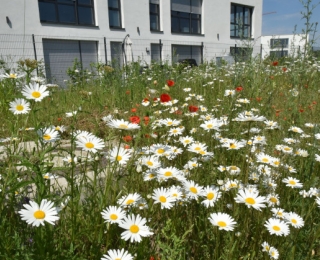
[(113, 216), (294, 221), (232, 185), (119, 158), (134, 229), (222, 224), (186, 141), (250, 201), (276, 228), (287, 149), (89, 145), (233, 146), (163, 199), (123, 126), (39, 214), (265, 160), (167, 174), (292, 182), (160, 151), (273, 200), (210, 196), (169, 123), (198, 148), (151, 175), (130, 201), (233, 168), (19, 107), (36, 94), (209, 126), (193, 190), (202, 152), (46, 137), (149, 163), (12, 76)]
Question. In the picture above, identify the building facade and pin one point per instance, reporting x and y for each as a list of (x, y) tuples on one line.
[(58, 31), (277, 46)]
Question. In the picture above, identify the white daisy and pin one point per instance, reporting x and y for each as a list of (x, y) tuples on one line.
[(294, 219), (113, 214), (36, 215), (135, 228), (121, 155), (90, 143), (223, 221), (292, 182), (163, 196), (48, 135), (212, 194), (117, 255), (35, 92), (251, 199), (277, 227), (122, 125), (19, 106)]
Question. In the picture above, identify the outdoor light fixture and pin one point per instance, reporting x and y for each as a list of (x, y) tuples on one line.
[(7, 19), (147, 50)]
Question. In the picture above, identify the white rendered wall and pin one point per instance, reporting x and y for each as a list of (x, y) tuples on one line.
[(25, 20)]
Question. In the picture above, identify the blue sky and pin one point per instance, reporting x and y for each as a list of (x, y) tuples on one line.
[(286, 17)]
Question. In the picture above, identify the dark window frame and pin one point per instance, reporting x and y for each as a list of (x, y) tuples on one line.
[(279, 43), (73, 4), (191, 17), (120, 17), (157, 14), (279, 53), (240, 26)]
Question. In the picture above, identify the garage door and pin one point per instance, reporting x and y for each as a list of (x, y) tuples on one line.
[(59, 55)]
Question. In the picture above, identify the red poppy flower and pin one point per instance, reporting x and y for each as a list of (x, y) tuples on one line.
[(178, 112), (127, 92), (301, 110), (127, 138), (284, 69), (275, 63), (193, 109), (133, 110), (239, 88), (59, 119), (134, 119), (127, 146), (258, 99), (165, 98), (146, 120), (170, 83)]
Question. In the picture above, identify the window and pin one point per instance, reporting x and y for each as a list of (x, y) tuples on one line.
[(186, 16), (279, 43), (78, 12), (186, 52), (241, 53), (278, 54), (116, 54), (155, 52), (241, 21), (114, 14), (154, 15)]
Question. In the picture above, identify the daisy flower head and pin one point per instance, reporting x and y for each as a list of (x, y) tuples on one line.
[(35, 92), (48, 135), (169, 173), (265, 247), (251, 199), (135, 228), (294, 219), (121, 155), (277, 227), (36, 215), (163, 196), (273, 200), (122, 124), (186, 140), (233, 144), (90, 143), (19, 106), (113, 214), (212, 194), (295, 129), (192, 189), (223, 221), (129, 200), (292, 182), (273, 253), (11, 76), (113, 254), (152, 162)]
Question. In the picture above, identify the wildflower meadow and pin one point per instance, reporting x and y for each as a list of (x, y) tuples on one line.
[(167, 162)]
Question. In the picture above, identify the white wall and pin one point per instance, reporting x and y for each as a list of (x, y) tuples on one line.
[(25, 20)]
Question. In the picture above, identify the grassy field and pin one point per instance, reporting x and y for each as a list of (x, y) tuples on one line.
[(169, 162)]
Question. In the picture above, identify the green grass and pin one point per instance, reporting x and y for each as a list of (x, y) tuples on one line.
[(287, 96)]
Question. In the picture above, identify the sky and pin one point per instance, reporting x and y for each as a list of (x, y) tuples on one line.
[(287, 15)]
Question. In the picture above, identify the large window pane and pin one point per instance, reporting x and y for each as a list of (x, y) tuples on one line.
[(66, 13), (86, 2), (47, 12), (114, 18), (113, 4), (195, 26), (154, 22), (184, 25), (174, 24), (85, 15)]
